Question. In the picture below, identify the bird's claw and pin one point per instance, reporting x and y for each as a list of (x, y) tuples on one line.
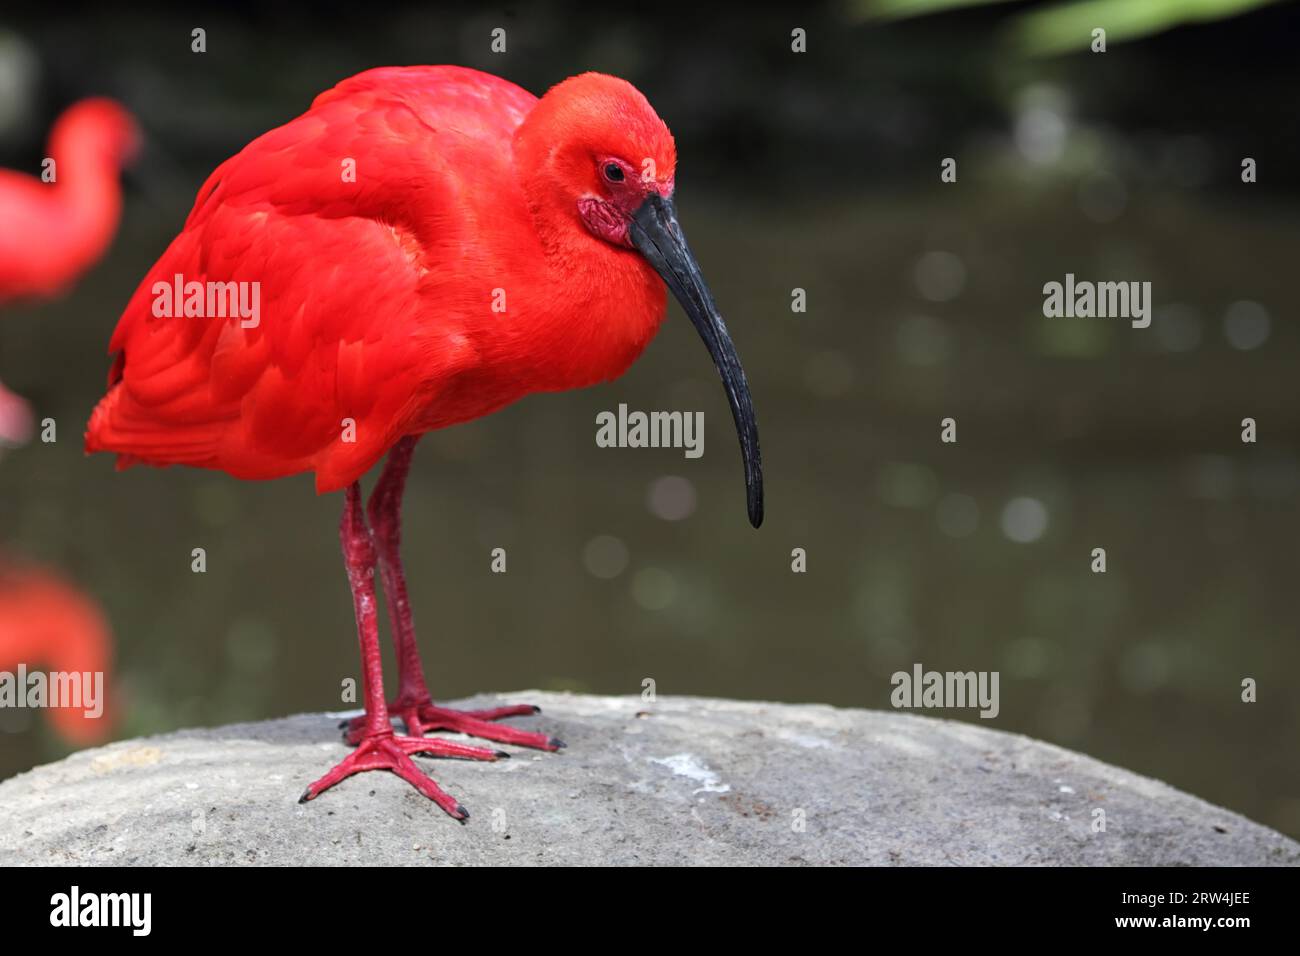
[(388, 751), (421, 717)]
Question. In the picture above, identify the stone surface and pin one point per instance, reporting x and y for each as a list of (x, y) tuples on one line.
[(681, 780)]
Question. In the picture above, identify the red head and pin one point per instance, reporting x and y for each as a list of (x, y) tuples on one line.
[(595, 160), (99, 129), (593, 150)]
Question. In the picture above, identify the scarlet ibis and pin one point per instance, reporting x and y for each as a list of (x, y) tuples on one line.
[(47, 622), (53, 229), (432, 244)]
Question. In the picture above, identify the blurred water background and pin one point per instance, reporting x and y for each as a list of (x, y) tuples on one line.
[(818, 171)]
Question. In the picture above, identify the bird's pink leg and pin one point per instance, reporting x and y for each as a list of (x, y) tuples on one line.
[(385, 512), (378, 748), (414, 704)]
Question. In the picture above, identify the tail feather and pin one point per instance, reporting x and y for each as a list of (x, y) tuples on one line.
[(115, 426)]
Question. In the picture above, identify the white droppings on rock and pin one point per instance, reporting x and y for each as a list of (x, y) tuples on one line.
[(808, 741), (691, 767)]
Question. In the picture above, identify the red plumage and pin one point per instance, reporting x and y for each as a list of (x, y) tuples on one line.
[(376, 295)]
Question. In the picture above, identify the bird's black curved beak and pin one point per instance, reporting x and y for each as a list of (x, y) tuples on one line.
[(656, 234)]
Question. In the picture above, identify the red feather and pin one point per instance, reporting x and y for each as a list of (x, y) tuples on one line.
[(376, 296)]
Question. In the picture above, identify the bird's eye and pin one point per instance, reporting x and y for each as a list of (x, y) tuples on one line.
[(614, 172)]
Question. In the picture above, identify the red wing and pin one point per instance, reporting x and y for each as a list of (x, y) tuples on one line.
[(340, 259)]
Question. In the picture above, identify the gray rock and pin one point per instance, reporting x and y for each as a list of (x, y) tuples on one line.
[(681, 780)]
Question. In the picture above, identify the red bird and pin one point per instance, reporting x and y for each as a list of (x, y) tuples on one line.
[(53, 231), (44, 621), (422, 247)]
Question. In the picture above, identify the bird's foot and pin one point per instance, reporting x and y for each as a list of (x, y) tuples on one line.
[(388, 751), (423, 716)]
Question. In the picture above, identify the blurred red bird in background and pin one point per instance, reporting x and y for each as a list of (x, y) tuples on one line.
[(422, 247), (51, 230), (54, 228), (46, 622)]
